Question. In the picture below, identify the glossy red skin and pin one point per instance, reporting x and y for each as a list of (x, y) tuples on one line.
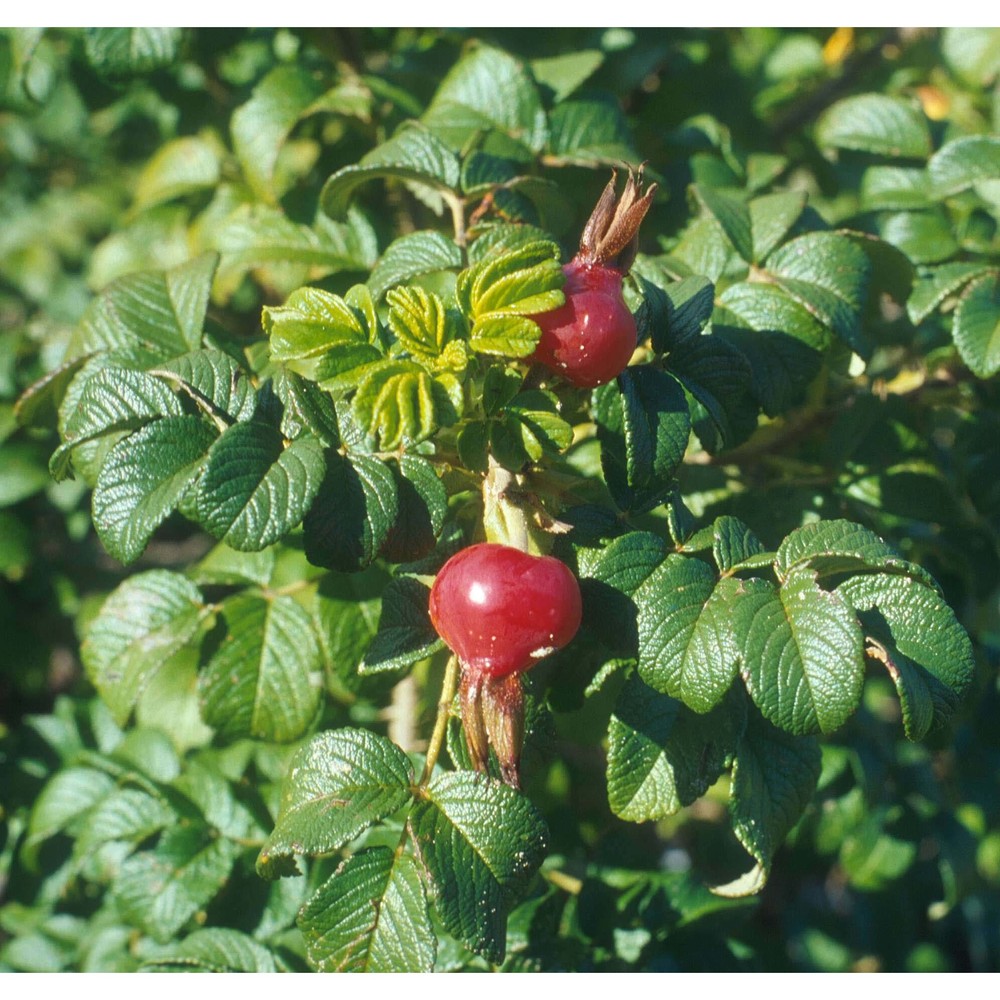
[(501, 610), (589, 339)]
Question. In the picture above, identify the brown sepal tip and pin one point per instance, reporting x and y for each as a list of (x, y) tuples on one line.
[(611, 235)]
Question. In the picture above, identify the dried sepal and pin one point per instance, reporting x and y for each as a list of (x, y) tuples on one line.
[(611, 235)]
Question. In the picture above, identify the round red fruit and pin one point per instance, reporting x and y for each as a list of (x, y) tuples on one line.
[(501, 610), (590, 338)]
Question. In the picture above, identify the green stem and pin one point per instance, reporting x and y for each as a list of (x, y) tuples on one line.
[(448, 688)]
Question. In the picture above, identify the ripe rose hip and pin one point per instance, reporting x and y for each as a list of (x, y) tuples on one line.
[(501, 610), (590, 338)]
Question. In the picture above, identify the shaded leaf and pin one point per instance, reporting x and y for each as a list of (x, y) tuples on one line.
[(977, 325), (405, 634)]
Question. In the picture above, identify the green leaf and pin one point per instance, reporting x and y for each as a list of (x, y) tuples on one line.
[(254, 490), (112, 400), (39, 404), (733, 542), (892, 188), (563, 74), (401, 404), (732, 214), (929, 656), (412, 256), (774, 778), (68, 796), (337, 785), (423, 504), (128, 815), (498, 89), (420, 322), (144, 478), (499, 294), (213, 949), (214, 381), (159, 891), (771, 218), (803, 657), (310, 323), (661, 755), (264, 680), (412, 154), (589, 131), (875, 123), (481, 843), (405, 633), (142, 625), (687, 645), (353, 513), (148, 316), (973, 53), (261, 126), (832, 547), (828, 274), (370, 916), (939, 283), (672, 311), (181, 167), (307, 409), (925, 237), (977, 325), (643, 427), (116, 52), (962, 162)]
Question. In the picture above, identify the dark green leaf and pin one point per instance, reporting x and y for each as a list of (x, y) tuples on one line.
[(803, 657), (732, 214), (687, 645), (771, 218), (264, 680), (831, 547), (370, 916), (423, 504), (929, 656), (139, 629), (214, 949), (144, 478), (412, 154), (774, 778), (307, 409), (589, 131), (481, 843), (337, 785), (936, 284), (411, 256), (925, 237), (733, 542), (977, 326), (214, 381), (353, 512), (405, 633), (254, 490), (661, 755), (875, 123)]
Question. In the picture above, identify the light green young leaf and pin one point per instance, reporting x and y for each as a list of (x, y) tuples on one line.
[(144, 478), (661, 755), (687, 645), (923, 646), (875, 123), (353, 513), (420, 322), (563, 74), (405, 634), (370, 916), (310, 323), (411, 256), (774, 778), (264, 681), (142, 625), (260, 126), (802, 653), (254, 490), (337, 785), (977, 325), (412, 154), (180, 167), (481, 843)]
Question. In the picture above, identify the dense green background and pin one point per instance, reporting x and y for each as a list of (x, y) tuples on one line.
[(122, 152)]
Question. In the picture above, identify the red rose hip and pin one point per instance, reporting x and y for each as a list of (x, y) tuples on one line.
[(501, 610)]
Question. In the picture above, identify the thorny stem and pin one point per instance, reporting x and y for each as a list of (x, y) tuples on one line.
[(448, 688)]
